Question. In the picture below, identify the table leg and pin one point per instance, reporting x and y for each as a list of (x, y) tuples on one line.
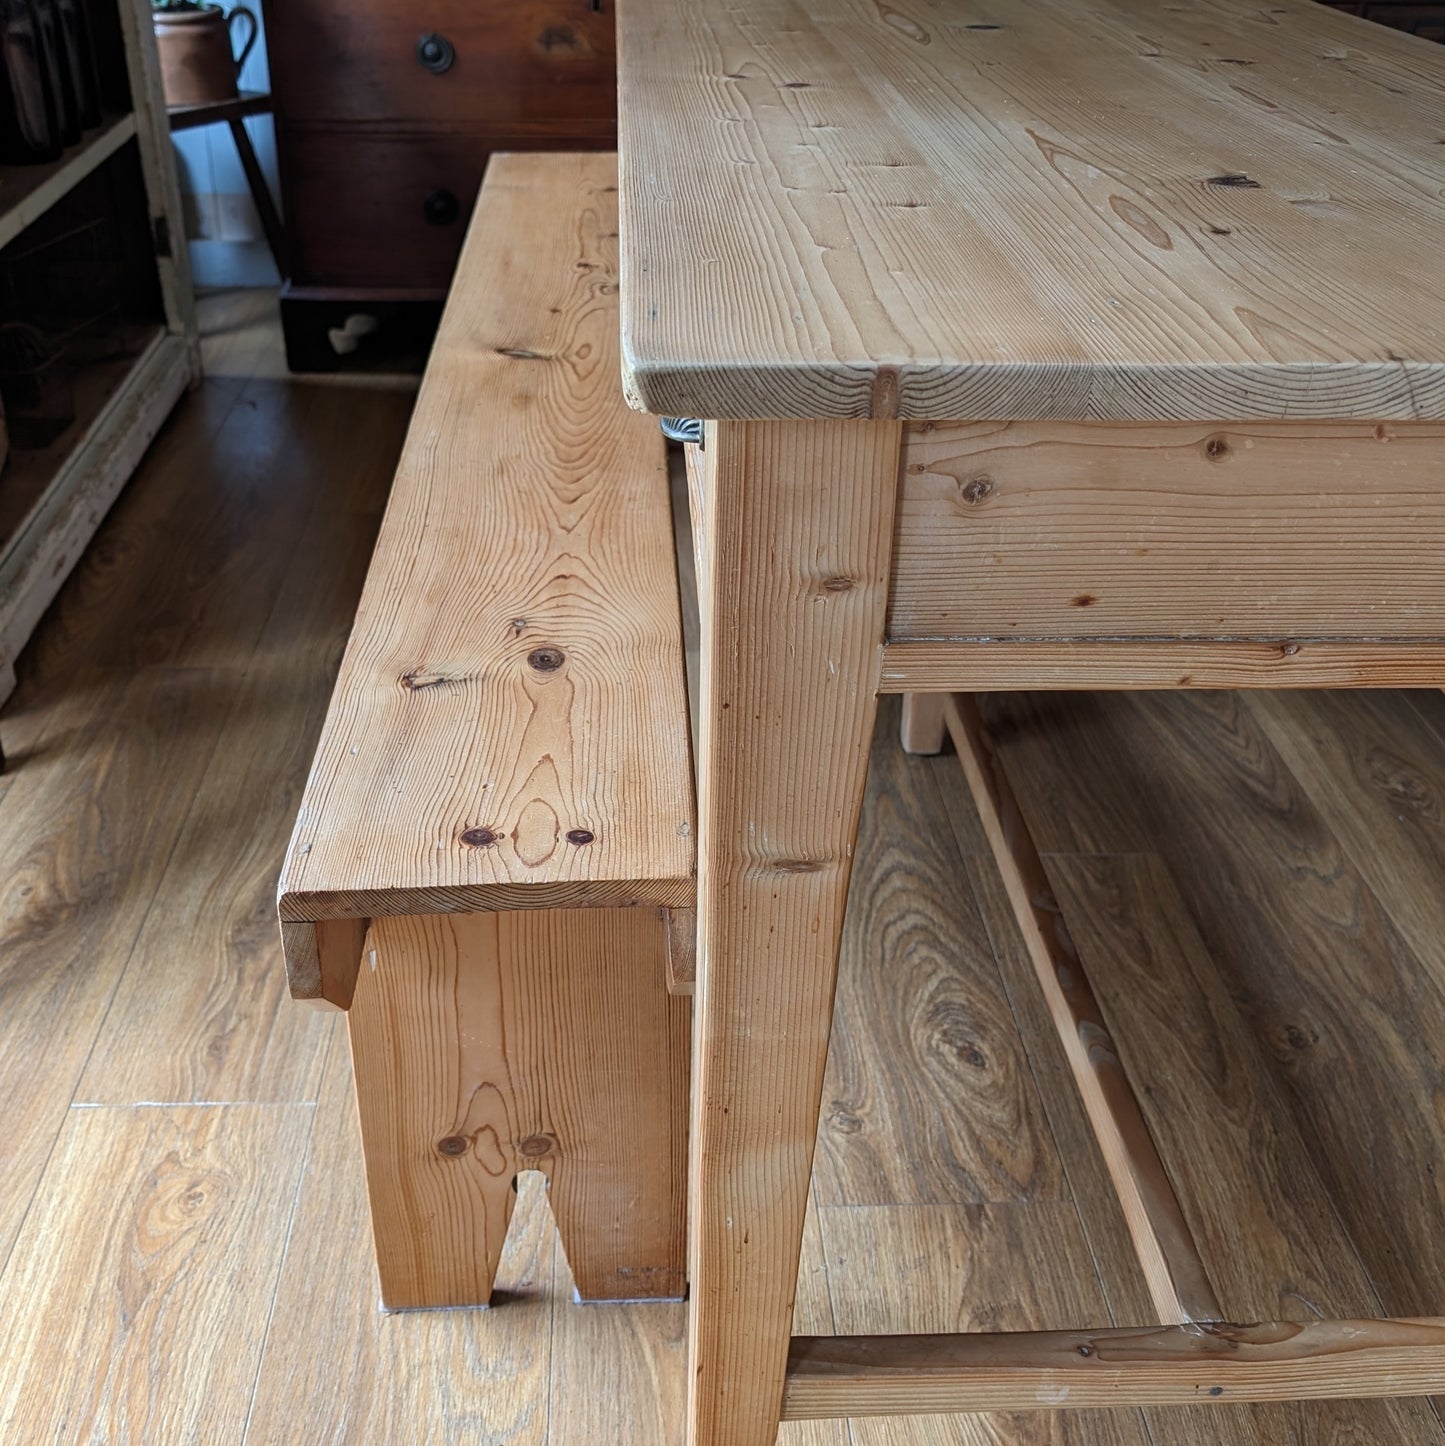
[(488, 1044), (799, 531), (261, 195), (923, 723)]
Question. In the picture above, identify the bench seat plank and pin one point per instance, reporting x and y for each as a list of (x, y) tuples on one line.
[(509, 726)]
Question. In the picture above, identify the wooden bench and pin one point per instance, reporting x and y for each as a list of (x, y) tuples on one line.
[(500, 813)]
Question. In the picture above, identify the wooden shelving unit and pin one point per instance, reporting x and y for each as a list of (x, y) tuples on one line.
[(52, 498), (28, 192)]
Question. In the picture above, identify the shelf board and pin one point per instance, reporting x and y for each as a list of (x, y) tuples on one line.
[(28, 192), (27, 475), (248, 102), (60, 494)]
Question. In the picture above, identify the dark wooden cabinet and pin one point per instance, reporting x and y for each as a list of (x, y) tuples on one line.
[(385, 117), (382, 211), (1424, 20)]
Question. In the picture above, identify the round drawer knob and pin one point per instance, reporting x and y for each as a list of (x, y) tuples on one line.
[(441, 208), (436, 53)]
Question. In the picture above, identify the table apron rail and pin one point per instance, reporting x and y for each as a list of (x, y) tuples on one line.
[(1278, 531)]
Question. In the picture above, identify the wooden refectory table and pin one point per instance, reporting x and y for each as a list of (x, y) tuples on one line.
[(1068, 344)]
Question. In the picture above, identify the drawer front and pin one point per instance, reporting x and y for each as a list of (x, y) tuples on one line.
[(368, 210), (543, 68), (1271, 530)]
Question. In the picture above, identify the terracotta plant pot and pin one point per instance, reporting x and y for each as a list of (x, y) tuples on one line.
[(197, 63)]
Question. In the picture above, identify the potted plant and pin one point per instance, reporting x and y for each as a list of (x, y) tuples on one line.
[(198, 65)]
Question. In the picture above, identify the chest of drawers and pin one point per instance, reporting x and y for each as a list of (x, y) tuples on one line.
[(1427, 20), (386, 116)]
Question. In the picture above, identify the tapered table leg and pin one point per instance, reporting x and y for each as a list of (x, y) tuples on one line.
[(923, 726), (799, 528)]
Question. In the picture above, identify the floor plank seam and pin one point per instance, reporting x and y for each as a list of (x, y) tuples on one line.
[(191, 1104)]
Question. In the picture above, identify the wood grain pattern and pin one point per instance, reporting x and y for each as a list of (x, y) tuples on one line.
[(1278, 1246), (1290, 530), (813, 1312), (1112, 211), (88, 468), (687, 522), (208, 958), (191, 575), (1429, 703), (681, 926), (1178, 1280), (1102, 1219), (1376, 772), (798, 523), (927, 1099), (1194, 778), (534, 645), (88, 828), (107, 1338), (488, 1044), (414, 1376), (1271, 1235), (617, 1372), (337, 1370), (1152, 1365), (323, 959), (356, 197), (1130, 663)]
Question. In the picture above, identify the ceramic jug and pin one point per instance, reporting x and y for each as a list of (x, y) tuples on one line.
[(198, 66)]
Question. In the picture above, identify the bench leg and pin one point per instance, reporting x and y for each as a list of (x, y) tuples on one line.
[(922, 730), (488, 1044)]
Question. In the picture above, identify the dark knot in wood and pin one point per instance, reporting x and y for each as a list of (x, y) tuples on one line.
[(546, 660)]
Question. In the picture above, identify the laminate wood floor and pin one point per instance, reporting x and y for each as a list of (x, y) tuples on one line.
[(1255, 882)]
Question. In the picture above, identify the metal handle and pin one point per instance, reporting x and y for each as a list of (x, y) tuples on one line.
[(441, 208), (237, 12), (682, 429), (435, 53)]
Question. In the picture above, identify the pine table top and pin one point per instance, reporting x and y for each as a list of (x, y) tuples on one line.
[(1046, 209)]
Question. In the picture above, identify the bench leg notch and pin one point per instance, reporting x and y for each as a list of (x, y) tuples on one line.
[(489, 1044)]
